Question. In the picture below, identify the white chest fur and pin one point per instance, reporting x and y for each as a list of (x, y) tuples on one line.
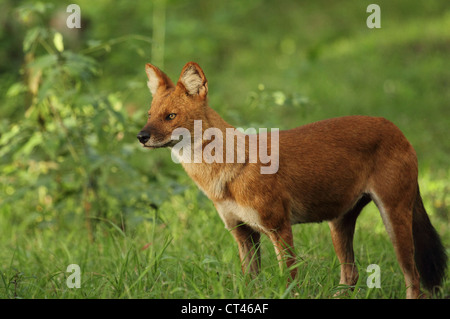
[(232, 213)]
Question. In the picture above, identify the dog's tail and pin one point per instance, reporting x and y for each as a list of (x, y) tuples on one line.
[(429, 253)]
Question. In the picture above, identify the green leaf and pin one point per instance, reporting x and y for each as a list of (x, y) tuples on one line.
[(79, 66), (58, 41), (45, 62), (32, 36), (16, 89), (6, 139), (34, 140)]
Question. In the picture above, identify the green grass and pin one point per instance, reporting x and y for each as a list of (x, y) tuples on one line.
[(187, 253)]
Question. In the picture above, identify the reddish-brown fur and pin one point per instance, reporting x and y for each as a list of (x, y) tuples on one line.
[(328, 171)]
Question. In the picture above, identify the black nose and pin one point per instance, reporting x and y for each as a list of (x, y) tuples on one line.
[(143, 137)]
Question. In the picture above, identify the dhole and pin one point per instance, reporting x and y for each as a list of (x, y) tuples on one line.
[(328, 171)]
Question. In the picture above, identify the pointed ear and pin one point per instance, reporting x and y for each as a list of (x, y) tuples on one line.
[(193, 80), (157, 79)]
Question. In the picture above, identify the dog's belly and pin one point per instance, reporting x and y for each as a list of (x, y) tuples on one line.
[(322, 211)]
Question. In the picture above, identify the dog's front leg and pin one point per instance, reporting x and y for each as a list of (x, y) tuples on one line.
[(283, 242), (249, 247)]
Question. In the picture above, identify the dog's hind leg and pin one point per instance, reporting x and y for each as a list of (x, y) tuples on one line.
[(342, 231)]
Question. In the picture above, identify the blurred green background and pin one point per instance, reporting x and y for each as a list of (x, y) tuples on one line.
[(73, 100)]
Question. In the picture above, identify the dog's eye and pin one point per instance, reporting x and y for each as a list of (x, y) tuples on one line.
[(171, 116)]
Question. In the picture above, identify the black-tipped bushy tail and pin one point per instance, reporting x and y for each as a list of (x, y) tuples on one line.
[(430, 256)]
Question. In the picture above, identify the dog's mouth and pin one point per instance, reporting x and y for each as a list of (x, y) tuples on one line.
[(158, 144)]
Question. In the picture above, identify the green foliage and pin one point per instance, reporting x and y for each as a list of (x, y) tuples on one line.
[(65, 151), (75, 186)]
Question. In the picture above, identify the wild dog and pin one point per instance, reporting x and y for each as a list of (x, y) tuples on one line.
[(328, 171)]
